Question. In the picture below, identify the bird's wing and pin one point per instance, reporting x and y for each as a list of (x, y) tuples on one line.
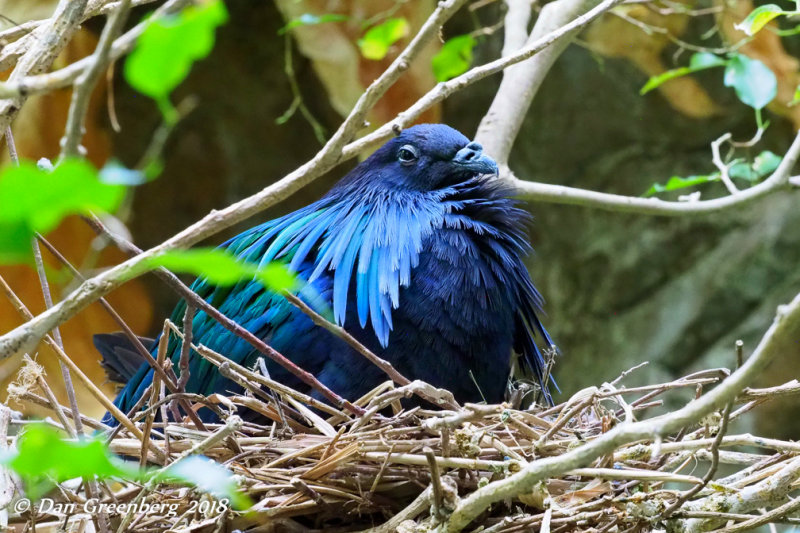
[(248, 303), (338, 246)]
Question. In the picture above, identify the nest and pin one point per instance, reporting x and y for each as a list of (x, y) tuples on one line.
[(312, 467)]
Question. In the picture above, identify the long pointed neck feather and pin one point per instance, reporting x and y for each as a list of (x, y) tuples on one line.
[(374, 234)]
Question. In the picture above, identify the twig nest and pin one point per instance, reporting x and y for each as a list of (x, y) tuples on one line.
[(467, 443), (537, 496)]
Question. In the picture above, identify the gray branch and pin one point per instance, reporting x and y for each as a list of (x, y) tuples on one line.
[(559, 194), (500, 126)]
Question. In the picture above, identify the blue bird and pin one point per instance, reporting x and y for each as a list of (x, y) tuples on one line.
[(419, 253)]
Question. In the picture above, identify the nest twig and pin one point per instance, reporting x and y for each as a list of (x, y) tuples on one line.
[(406, 470)]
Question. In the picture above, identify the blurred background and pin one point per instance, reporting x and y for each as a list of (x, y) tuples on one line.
[(619, 289)]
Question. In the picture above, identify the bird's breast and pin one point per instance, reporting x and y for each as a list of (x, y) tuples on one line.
[(454, 325)]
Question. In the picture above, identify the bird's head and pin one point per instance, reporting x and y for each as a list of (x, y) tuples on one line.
[(427, 157)]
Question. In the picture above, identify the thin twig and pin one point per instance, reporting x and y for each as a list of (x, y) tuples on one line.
[(712, 469), (88, 383), (82, 90), (48, 302), (129, 334), (436, 480)]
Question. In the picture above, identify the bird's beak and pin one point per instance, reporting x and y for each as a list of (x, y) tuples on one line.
[(472, 158)]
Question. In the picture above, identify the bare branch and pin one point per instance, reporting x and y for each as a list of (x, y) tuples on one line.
[(84, 85), (559, 194), (50, 39), (499, 127), (518, 15)]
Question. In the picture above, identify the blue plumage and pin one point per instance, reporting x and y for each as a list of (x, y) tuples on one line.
[(420, 256)]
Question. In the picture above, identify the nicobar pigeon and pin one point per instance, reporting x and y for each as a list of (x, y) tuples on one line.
[(418, 252)]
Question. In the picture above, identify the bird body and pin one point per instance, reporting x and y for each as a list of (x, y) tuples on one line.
[(418, 254)]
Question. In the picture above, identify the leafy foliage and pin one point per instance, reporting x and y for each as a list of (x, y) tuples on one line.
[(35, 200), (169, 46), (760, 17), (222, 268), (755, 84), (44, 457), (762, 165), (376, 42), (454, 58)]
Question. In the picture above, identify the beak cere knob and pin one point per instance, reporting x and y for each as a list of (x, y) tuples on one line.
[(470, 152), (473, 158)]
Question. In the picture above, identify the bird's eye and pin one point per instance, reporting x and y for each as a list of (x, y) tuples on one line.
[(407, 154)]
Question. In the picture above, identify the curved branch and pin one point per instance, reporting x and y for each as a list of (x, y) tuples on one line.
[(559, 194), (49, 40), (500, 126)]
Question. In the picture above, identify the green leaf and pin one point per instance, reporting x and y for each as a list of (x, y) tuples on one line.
[(703, 60), (677, 182), (222, 268), (168, 46), (115, 173), (376, 42), (15, 242), (44, 457), (277, 276), (795, 97), (759, 17), (766, 163), (743, 171), (36, 200), (755, 84), (208, 476), (217, 266), (310, 19), (454, 58), (699, 61)]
